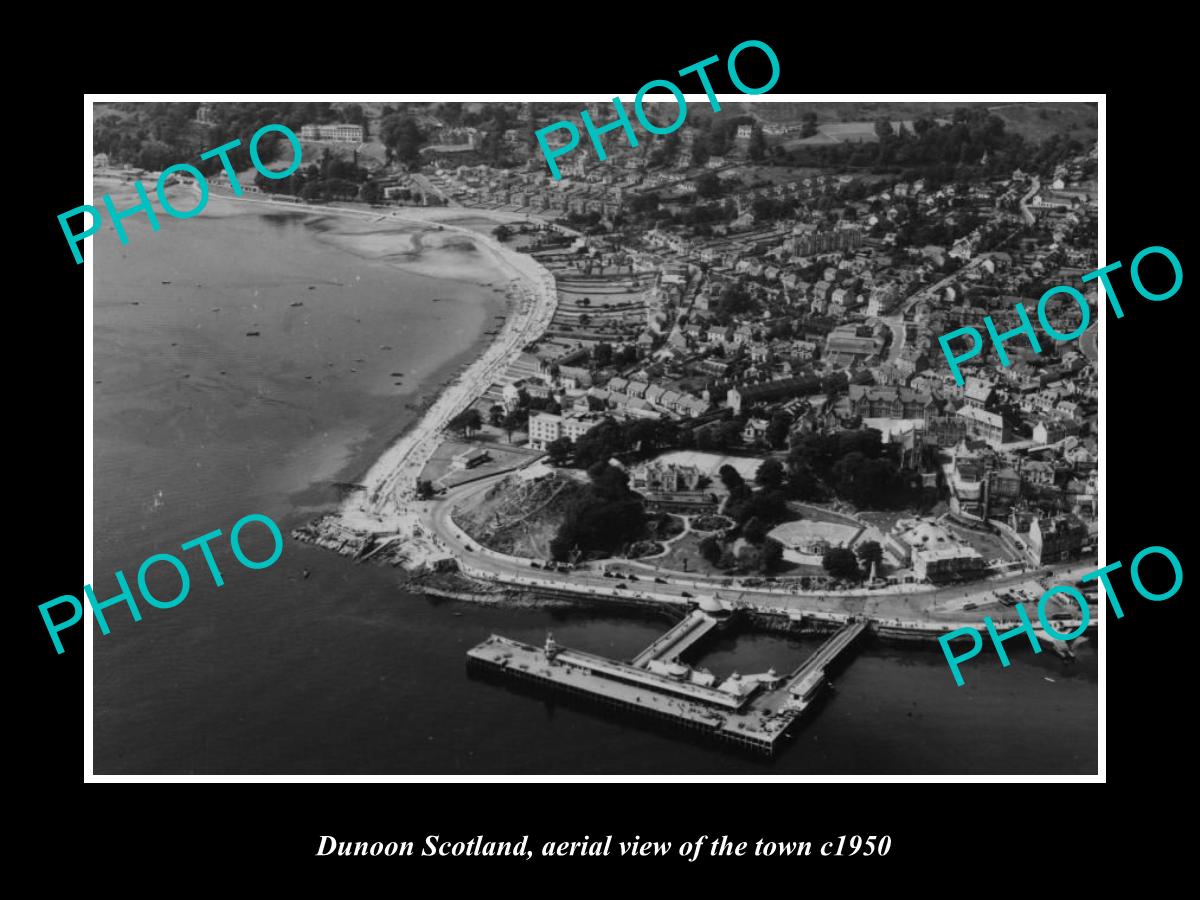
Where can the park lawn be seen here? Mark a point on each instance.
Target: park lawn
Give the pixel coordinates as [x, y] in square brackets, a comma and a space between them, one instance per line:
[687, 547]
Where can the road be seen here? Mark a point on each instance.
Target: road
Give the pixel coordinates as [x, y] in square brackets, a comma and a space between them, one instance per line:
[1028, 216]
[896, 321]
[941, 607]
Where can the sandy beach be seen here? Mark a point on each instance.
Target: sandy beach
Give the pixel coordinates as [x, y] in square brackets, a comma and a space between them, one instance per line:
[442, 243]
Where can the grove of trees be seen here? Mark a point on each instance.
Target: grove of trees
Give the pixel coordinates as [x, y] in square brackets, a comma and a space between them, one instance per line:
[603, 517]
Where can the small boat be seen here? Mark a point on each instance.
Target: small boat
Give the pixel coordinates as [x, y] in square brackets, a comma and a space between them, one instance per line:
[166, 282]
[135, 303]
[397, 374]
[298, 303]
[216, 309]
[304, 573]
[252, 333]
[312, 287]
[1049, 679]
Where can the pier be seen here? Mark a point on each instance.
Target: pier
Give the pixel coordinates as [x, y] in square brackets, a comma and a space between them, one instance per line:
[670, 646]
[750, 711]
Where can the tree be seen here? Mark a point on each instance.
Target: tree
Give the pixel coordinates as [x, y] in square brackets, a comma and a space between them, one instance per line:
[730, 477]
[883, 127]
[710, 549]
[514, 421]
[770, 473]
[840, 563]
[467, 421]
[870, 552]
[734, 301]
[708, 186]
[559, 451]
[803, 483]
[424, 489]
[772, 555]
[602, 517]
[778, 429]
[603, 441]
[755, 531]
[758, 143]
[496, 415]
[371, 192]
[810, 125]
[868, 482]
[602, 354]
[502, 233]
[402, 137]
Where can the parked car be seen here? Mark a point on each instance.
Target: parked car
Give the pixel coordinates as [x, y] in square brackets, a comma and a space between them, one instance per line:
[660, 581]
[686, 594]
[621, 586]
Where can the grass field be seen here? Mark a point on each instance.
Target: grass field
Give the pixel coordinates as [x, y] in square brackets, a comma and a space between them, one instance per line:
[687, 547]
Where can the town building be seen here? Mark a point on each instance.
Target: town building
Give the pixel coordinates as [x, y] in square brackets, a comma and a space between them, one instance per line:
[748, 394]
[988, 426]
[469, 459]
[545, 427]
[340, 132]
[944, 563]
[891, 402]
[1056, 538]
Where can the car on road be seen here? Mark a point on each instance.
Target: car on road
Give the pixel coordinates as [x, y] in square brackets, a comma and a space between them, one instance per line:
[535, 564]
[660, 581]
[633, 577]
[970, 606]
[608, 574]
[621, 586]
[686, 594]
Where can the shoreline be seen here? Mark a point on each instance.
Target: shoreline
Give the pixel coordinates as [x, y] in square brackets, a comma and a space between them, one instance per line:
[384, 511]
[466, 276]
[382, 475]
[532, 298]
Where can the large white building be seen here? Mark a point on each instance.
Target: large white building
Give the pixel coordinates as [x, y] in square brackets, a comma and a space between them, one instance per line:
[988, 426]
[340, 132]
[545, 427]
[945, 561]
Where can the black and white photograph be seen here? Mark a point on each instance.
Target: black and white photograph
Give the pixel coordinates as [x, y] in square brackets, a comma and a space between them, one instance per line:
[479, 438]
